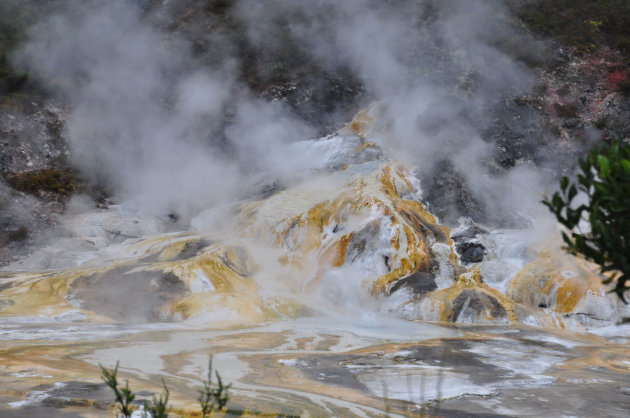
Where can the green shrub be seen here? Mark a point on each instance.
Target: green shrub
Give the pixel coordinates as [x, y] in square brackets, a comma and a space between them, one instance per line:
[605, 180]
[49, 180]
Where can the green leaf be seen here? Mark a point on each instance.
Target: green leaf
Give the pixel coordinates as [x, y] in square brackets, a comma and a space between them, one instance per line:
[626, 165]
[573, 218]
[584, 166]
[604, 166]
[564, 183]
[557, 202]
[583, 181]
[601, 188]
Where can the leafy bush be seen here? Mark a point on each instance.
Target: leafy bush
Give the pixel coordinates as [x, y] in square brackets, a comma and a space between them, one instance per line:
[605, 180]
[49, 180]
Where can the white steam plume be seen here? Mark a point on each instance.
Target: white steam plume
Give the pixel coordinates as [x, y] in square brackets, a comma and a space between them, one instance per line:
[145, 115]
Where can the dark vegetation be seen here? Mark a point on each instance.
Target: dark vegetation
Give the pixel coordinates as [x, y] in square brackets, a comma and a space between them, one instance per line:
[53, 183]
[16, 16]
[584, 24]
[605, 180]
[14, 20]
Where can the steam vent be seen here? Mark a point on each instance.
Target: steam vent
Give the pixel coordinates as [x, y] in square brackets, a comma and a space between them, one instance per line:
[332, 207]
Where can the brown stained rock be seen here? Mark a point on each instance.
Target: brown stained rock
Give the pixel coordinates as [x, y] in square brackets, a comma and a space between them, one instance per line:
[558, 282]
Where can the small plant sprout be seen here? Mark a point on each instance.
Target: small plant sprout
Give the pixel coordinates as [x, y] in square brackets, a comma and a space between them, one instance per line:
[124, 396]
[158, 409]
[210, 398]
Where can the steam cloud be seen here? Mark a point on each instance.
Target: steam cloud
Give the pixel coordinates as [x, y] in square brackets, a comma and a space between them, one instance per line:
[145, 115]
[151, 121]
[438, 69]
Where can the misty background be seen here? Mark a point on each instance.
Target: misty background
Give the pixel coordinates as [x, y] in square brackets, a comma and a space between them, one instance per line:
[176, 117]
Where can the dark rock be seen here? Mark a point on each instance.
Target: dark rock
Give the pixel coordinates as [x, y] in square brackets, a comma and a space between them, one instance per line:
[471, 252]
[448, 196]
[322, 100]
[330, 370]
[33, 139]
[572, 123]
[268, 189]
[364, 240]
[471, 232]
[418, 283]
[614, 115]
[279, 70]
[473, 302]
[467, 244]
[192, 249]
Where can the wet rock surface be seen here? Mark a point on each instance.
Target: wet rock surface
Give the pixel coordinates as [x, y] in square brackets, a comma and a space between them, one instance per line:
[417, 283]
[126, 295]
[474, 304]
[467, 244]
[471, 252]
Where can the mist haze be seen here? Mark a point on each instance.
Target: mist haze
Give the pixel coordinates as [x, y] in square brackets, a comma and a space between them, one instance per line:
[169, 134]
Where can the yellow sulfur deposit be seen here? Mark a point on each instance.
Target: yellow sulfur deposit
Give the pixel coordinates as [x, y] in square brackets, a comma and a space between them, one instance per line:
[556, 281]
[359, 219]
